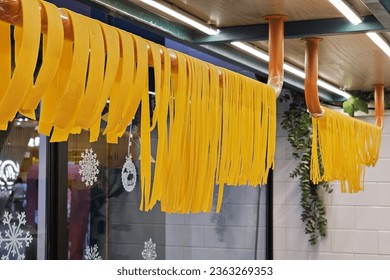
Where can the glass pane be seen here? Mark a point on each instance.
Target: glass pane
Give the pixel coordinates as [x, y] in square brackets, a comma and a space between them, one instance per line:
[105, 220]
[19, 180]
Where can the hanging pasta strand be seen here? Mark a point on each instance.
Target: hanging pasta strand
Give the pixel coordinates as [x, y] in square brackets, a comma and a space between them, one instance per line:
[26, 54]
[160, 115]
[194, 154]
[112, 51]
[93, 82]
[200, 186]
[52, 49]
[139, 85]
[70, 105]
[177, 137]
[215, 127]
[75, 87]
[142, 64]
[123, 87]
[97, 60]
[248, 133]
[56, 89]
[346, 146]
[222, 169]
[5, 58]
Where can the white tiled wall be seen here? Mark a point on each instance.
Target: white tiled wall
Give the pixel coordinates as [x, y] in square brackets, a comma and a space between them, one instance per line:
[358, 224]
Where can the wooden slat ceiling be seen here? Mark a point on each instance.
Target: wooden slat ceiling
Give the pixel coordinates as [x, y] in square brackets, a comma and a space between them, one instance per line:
[352, 62]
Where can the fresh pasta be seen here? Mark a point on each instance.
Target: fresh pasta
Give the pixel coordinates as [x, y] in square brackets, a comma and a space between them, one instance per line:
[215, 127]
[346, 146]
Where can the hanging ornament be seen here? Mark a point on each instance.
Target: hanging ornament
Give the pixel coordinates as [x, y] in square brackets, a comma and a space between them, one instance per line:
[129, 173]
[89, 167]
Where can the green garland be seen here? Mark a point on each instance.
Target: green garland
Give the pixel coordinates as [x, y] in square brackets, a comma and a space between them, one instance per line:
[297, 122]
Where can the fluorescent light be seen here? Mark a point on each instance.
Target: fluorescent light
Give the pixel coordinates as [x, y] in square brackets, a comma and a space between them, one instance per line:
[265, 57]
[294, 70]
[333, 89]
[249, 49]
[288, 67]
[346, 11]
[182, 17]
[378, 40]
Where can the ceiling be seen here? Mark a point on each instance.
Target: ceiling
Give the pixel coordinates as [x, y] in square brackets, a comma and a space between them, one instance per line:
[348, 59]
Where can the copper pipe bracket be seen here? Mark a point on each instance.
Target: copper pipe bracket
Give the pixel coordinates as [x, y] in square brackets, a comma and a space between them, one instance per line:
[379, 104]
[311, 71]
[276, 51]
[317, 115]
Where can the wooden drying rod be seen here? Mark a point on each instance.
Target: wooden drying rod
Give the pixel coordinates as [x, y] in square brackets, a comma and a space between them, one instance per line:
[311, 88]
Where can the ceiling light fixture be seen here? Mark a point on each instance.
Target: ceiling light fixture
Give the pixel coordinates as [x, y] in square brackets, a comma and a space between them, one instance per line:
[182, 16]
[380, 42]
[346, 11]
[249, 49]
[288, 68]
[332, 88]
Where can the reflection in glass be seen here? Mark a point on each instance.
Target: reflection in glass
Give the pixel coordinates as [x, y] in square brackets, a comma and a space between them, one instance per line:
[105, 221]
[19, 158]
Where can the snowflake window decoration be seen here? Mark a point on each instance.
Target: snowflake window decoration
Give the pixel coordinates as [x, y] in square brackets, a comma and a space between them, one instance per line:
[92, 253]
[149, 253]
[15, 239]
[89, 167]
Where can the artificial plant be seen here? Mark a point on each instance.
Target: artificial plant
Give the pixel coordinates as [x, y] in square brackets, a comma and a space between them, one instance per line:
[354, 104]
[297, 122]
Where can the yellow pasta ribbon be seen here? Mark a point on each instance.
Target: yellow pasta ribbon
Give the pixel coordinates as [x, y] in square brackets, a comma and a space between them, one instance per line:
[162, 74]
[5, 58]
[145, 133]
[26, 59]
[112, 47]
[141, 92]
[69, 105]
[140, 85]
[176, 169]
[52, 49]
[55, 91]
[122, 88]
[346, 146]
[214, 133]
[97, 60]
[214, 126]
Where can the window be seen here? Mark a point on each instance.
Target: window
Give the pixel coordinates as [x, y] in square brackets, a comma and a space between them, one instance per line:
[22, 213]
